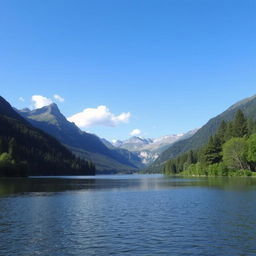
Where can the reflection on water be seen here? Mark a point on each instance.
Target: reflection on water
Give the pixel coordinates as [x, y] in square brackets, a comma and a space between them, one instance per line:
[12, 186]
[127, 215]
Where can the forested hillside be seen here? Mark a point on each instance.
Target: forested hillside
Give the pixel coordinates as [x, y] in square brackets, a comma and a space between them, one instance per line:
[230, 152]
[25, 150]
[248, 106]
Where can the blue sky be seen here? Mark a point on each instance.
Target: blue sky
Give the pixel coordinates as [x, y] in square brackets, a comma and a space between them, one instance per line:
[171, 65]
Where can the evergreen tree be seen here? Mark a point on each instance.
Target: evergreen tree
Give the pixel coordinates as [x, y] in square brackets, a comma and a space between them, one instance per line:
[251, 126]
[240, 128]
[190, 157]
[212, 151]
[222, 132]
[230, 132]
[173, 168]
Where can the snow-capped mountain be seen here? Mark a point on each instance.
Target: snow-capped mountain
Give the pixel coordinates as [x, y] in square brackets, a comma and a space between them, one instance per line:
[149, 149]
[132, 144]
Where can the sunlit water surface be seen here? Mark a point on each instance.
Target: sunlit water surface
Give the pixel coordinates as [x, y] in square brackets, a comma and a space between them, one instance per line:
[127, 215]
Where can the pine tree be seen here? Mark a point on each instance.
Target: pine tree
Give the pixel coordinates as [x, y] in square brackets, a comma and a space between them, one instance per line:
[222, 132]
[190, 157]
[229, 133]
[251, 125]
[173, 168]
[212, 151]
[240, 128]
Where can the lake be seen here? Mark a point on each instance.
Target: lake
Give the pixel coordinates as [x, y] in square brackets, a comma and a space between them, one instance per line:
[127, 215]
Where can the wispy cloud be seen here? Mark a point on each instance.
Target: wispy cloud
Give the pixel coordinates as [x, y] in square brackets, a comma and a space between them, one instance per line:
[135, 132]
[21, 99]
[58, 98]
[100, 116]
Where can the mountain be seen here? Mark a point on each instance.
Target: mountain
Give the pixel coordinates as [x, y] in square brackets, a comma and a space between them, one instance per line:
[116, 143]
[248, 106]
[133, 144]
[148, 149]
[160, 144]
[107, 143]
[26, 150]
[133, 157]
[85, 145]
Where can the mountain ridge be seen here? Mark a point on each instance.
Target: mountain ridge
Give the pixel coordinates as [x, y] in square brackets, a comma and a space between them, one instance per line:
[148, 149]
[85, 145]
[247, 105]
[27, 150]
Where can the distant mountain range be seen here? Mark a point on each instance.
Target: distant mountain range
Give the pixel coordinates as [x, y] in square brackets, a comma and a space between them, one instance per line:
[85, 145]
[120, 156]
[248, 106]
[41, 127]
[149, 149]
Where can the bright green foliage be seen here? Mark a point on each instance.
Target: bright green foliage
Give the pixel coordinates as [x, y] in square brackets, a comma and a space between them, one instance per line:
[5, 158]
[9, 167]
[251, 126]
[234, 173]
[251, 151]
[234, 154]
[196, 170]
[218, 169]
[6, 161]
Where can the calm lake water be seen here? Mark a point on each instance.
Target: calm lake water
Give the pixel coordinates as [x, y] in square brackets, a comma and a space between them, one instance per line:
[127, 215]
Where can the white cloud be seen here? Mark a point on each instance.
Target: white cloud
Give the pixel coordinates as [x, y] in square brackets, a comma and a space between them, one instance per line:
[41, 101]
[135, 132]
[21, 99]
[58, 98]
[100, 116]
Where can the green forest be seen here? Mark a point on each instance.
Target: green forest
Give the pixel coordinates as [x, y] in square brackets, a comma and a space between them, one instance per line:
[230, 152]
[25, 150]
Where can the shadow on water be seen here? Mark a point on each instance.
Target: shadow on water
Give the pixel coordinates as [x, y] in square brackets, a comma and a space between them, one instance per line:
[13, 186]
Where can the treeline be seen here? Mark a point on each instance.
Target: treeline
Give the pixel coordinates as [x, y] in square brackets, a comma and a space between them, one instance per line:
[25, 150]
[230, 152]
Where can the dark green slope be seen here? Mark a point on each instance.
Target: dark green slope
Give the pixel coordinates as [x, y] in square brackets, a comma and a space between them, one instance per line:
[7, 111]
[248, 106]
[25, 150]
[85, 145]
